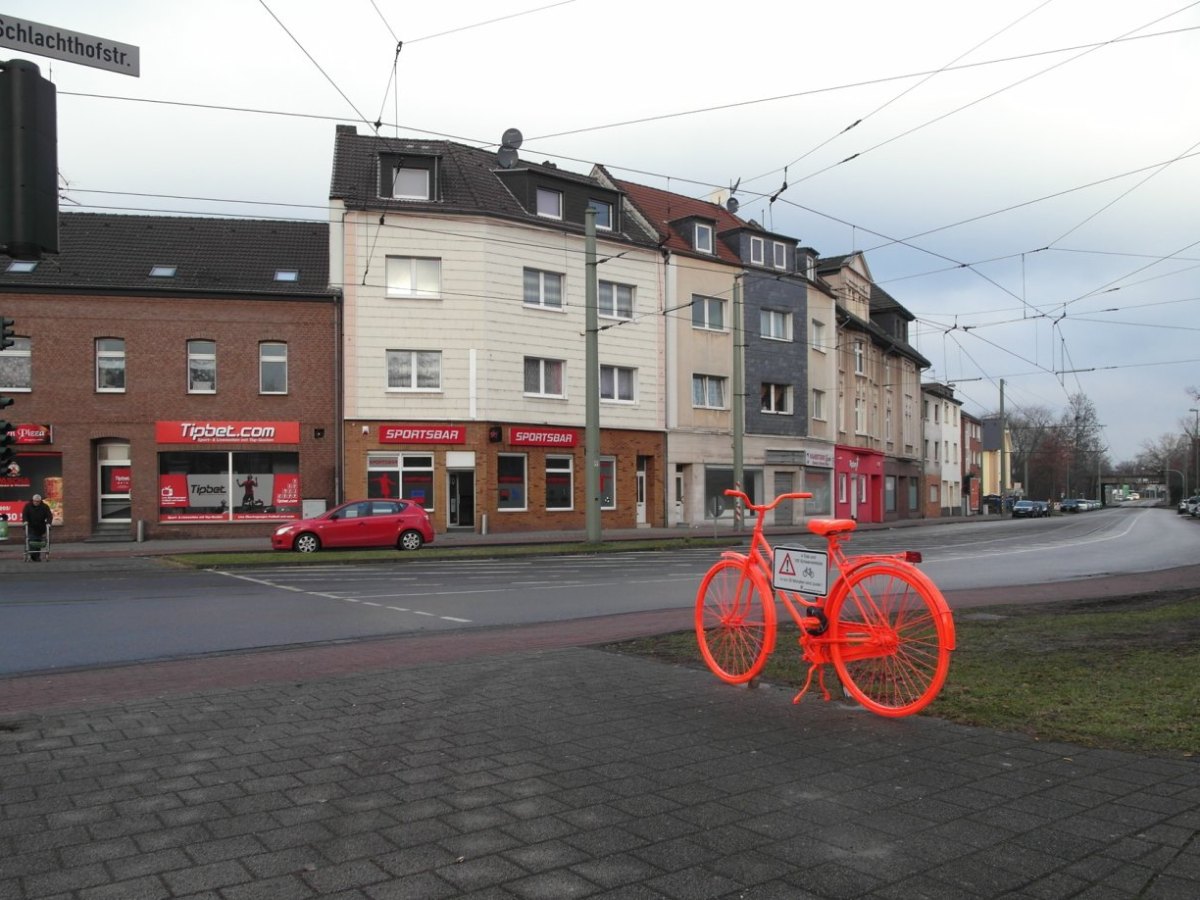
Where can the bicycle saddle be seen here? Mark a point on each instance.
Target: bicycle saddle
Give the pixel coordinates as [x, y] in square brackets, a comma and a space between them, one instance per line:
[826, 527]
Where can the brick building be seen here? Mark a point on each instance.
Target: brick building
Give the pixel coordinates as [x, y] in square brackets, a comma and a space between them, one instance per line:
[174, 376]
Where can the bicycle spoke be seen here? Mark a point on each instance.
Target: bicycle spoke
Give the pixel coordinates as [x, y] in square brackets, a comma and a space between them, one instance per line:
[735, 627]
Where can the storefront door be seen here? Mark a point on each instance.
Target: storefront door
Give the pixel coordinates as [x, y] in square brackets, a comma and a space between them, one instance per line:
[115, 483]
[641, 490]
[462, 499]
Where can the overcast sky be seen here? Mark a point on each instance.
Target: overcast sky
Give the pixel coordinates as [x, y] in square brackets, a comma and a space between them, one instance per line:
[1024, 176]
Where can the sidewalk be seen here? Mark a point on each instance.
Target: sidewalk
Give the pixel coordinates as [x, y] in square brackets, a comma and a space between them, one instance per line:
[528, 763]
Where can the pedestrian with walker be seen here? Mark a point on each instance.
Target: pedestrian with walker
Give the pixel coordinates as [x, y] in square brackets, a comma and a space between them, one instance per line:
[37, 517]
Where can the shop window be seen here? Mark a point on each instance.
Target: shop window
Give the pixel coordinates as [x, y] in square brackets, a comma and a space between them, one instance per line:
[16, 365]
[608, 482]
[202, 367]
[819, 483]
[405, 475]
[110, 365]
[510, 481]
[889, 493]
[560, 483]
[221, 486]
[272, 368]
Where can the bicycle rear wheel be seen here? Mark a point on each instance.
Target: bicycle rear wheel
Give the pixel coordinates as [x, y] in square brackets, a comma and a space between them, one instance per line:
[735, 620]
[891, 634]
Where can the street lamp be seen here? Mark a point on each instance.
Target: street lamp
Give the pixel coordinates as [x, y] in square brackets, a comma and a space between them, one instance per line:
[1196, 447]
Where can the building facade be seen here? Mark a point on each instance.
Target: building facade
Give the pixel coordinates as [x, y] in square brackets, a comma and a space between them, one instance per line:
[173, 377]
[943, 453]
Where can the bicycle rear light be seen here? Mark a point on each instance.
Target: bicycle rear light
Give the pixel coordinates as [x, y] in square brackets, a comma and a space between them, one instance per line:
[912, 556]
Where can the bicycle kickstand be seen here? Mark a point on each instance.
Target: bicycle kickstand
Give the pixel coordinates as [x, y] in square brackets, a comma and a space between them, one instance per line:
[819, 670]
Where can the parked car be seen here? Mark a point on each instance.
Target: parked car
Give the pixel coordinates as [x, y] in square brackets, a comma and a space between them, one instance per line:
[402, 524]
[1025, 509]
[1069, 505]
[1043, 507]
[1193, 506]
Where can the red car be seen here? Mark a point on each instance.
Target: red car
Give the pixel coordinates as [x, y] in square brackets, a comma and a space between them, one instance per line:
[360, 523]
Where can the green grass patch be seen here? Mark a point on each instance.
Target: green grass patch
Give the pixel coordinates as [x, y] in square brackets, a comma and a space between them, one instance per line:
[1119, 674]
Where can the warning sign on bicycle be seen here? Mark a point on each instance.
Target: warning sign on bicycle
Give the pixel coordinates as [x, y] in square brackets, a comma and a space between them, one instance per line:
[801, 571]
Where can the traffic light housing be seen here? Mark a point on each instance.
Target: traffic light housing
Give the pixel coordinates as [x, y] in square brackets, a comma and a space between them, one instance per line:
[6, 337]
[7, 438]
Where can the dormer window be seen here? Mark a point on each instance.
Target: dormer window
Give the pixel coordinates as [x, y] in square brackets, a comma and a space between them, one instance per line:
[404, 177]
[780, 255]
[703, 238]
[410, 184]
[162, 271]
[549, 203]
[757, 250]
[604, 214]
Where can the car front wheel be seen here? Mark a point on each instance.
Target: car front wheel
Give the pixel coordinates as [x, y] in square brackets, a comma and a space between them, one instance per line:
[307, 543]
[411, 540]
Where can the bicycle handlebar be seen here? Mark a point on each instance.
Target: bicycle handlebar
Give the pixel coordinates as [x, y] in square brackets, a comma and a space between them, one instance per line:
[740, 495]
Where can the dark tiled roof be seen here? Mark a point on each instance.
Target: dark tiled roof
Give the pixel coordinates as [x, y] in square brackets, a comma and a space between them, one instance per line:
[882, 301]
[663, 208]
[103, 251]
[470, 181]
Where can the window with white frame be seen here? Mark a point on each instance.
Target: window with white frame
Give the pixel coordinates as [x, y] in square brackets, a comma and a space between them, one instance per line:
[16, 365]
[818, 335]
[703, 240]
[202, 367]
[614, 301]
[272, 368]
[544, 289]
[818, 404]
[560, 482]
[618, 383]
[776, 398]
[549, 203]
[860, 416]
[860, 358]
[757, 250]
[410, 183]
[414, 370]
[414, 276]
[405, 475]
[604, 214]
[708, 312]
[708, 391]
[110, 365]
[510, 481]
[544, 377]
[775, 324]
[778, 255]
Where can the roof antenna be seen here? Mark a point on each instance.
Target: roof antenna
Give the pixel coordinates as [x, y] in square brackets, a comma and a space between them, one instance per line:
[733, 203]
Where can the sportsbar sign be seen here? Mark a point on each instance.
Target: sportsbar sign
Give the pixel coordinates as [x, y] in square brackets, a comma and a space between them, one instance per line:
[522, 436]
[422, 434]
[227, 432]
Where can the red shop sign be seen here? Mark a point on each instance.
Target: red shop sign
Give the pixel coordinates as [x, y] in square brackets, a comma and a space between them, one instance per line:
[198, 432]
[532, 436]
[405, 433]
[30, 433]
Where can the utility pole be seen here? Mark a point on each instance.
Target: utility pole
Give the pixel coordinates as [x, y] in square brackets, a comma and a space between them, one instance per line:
[739, 399]
[1003, 475]
[591, 381]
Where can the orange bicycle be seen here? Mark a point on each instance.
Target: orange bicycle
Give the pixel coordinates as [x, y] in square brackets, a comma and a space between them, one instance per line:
[883, 624]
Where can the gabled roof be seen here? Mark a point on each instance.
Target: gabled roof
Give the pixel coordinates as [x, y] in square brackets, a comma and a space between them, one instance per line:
[105, 251]
[470, 181]
[883, 302]
[663, 209]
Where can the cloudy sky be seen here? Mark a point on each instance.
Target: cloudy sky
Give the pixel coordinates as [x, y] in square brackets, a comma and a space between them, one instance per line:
[1023, 176]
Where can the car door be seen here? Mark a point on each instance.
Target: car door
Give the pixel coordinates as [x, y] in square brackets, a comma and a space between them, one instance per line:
[385, 522]
[348, 526]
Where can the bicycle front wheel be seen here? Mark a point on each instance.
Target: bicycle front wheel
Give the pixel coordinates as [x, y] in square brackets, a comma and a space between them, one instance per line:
[891, 634]
[735, 620]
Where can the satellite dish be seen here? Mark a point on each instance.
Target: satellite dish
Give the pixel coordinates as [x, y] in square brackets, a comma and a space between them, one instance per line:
[507, 157]
[511, 139]
[732, 204]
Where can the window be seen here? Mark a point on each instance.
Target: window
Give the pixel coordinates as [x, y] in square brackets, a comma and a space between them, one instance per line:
[604, 214]
[608, 482]
[544, 377]
[543, 289]
[779, 255]
[775, 325]
[617, 383]
[708, 392]
[405, 475]
[708, 312]
[757, 248]
[272, 368]
[703, 241]
[219, 486]
[615, 300]
[776, 398]
[818, 404]
[889, 493]
[202, 367]
[818, 335]
[860, 358]
[410, 184]
[22, 266]
[414, 370]
[860, 416]
[414, 276]
[510, 481]
[287, 274]
[559, 482]
[16, 365]
[110, 364]
[549, 203]
[163, 271]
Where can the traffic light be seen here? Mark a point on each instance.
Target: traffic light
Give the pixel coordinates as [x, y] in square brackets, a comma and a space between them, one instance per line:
[7, 438]
[6, 336]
